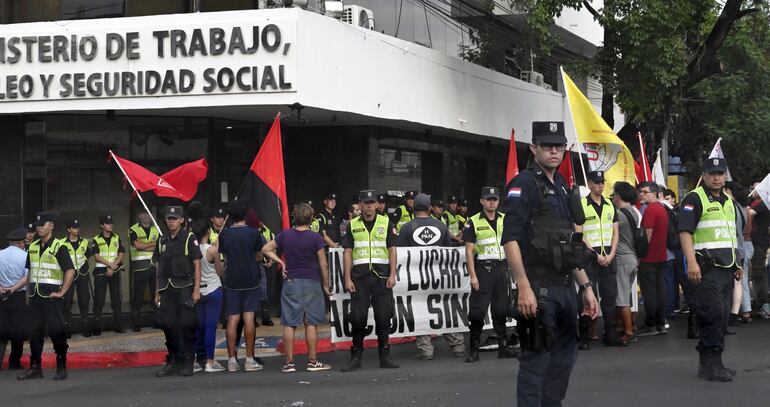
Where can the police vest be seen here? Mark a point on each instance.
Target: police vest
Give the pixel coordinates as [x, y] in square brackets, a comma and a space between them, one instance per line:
[716, 230]
[598, 230]
[406, 216]
[370, 248]
[107, 252]
[443, 218]
[461, 219]
[213, 235]
[173, 261]
[488, 245]
[43, 266]
[141, 260]
[78, 255]
[267, 234]
[453, 223]
[315, 225]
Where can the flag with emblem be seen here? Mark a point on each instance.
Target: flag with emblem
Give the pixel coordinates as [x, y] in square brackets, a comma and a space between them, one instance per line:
[264, 187]
[181, 182]
[604, 149]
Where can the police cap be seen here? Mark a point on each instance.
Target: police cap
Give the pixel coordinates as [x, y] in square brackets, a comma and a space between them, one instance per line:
[595, 176]
[451, 199]
[43, 217]
[548, 133]
[367, 195]
[218, 212]
[381, 198]
[490, 192]
[73, 223]
[330, 196]
[105, 220]
[410, 194]
[174, 212]
[462, 202]
[31, 228]
[16, 235]
[715, 165]
[437, 203]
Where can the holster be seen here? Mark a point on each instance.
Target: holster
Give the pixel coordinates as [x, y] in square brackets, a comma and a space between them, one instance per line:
[533, 332]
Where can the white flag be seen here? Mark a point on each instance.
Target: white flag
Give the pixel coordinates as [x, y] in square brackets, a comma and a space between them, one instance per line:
[716, 152]
[657, 171]
[763, 190]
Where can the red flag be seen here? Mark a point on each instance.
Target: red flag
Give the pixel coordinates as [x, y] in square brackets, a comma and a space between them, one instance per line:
[181, 182]
[264, 188]
[513, 163]
[643, 172]
[565, 169]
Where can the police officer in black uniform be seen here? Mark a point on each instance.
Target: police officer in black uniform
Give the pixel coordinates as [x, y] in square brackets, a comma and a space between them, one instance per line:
[543, 256]
[108, 252]
[80, 252]
[177, 257]
[404, 213]
[328, 221]
[382, 204]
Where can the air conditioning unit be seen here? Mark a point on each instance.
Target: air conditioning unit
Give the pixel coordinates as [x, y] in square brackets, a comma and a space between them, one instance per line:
[332, 9]
[535, 78]
[359, 16]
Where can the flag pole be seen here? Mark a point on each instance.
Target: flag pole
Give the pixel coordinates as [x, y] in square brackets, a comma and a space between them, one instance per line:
[138, 194]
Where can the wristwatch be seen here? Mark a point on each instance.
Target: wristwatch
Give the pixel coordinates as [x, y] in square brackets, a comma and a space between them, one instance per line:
[588, 284]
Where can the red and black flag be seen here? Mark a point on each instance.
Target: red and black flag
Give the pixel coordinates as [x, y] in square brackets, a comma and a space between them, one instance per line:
[264, 188]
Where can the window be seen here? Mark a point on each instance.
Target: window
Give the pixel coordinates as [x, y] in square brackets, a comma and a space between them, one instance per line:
[84, 9]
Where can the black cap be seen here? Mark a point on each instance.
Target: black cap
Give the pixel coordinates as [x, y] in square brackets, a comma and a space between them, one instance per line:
[451, 199]
[43, 217]
[421, 202]
[105, 220]
[330, 195]
[218, 212]
[174, 212]
[437, 203]
[548, 133]
[490, 192]
[715, 165]
[462, 202]
[367, 195]
[595, 176]
[31, 228]
[381, 198]
[410, 194]
[73, 223]
[16, 235]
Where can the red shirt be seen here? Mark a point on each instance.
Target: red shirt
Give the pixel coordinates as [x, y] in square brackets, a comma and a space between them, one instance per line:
[656, 218]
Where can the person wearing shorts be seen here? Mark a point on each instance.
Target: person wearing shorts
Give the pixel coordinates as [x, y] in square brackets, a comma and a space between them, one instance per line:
[241, 246]
[306, 282]
[625, 264]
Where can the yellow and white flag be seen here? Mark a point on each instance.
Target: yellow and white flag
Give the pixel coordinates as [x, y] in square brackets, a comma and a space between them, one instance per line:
[604, 149]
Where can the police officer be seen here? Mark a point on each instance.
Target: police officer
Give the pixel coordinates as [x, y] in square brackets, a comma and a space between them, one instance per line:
[108, 254]
[370, 274]
[328, 222]
[453, 217]
[79, 251]
[600, 233]
[217, 221]
[382, 204]
[13, 294]
[31, 235]
[709, 242]
[488, 273]
[50, 276]
[142, 236]
[462, 211]
[437, 211]
[404, 213]
[543, 256]
[177, 257]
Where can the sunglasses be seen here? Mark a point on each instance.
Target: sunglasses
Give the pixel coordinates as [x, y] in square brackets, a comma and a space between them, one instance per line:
[551, 147]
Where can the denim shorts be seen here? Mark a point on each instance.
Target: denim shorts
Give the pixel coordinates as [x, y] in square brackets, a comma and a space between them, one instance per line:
[240, 301]
[302, 302]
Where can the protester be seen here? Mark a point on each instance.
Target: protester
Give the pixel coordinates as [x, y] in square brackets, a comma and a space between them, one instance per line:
[13, 293]
[626, 263]
[241, 245]
[306, 281]
[653, 266]
[210, 305]
[353, 211]
[760, 239]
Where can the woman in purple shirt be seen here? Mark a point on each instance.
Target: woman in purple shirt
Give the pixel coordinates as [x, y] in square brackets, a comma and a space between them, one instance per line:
[306, 281]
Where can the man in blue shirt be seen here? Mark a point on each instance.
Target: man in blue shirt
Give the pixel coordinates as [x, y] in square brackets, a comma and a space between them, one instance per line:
[13, 297]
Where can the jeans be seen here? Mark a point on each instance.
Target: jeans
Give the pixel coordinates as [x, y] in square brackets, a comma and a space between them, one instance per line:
[748, 252]
[670, 284]
[208, 310]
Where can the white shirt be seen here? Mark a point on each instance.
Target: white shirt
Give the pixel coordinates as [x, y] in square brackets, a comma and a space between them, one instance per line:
[209, 276]
[13, 266]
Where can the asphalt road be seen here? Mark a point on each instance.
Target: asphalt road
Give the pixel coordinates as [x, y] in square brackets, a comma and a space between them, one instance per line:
[657, 371]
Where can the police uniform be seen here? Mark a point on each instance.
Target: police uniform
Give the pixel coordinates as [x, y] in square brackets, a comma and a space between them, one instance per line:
[368, 243]
[382, 202]
[13, 307]
[598, 232]
[50, 271]
[443, 218]
[404, 213]
[461, 215]
[177, 258]
[79, 251]
[328, 221]
[453, 218]
[710, 219]
[491, 271]
[213, 232]
[538, 218]
[142, 269]
[109, 248]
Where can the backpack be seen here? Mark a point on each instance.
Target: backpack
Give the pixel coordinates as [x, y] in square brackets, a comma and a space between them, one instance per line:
[641, 245]
[672, 235]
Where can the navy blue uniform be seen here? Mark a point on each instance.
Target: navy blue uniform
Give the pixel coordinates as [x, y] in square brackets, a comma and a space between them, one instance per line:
[543, 374]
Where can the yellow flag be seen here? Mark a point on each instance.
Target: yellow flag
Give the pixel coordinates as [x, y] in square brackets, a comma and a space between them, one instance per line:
[604, 149]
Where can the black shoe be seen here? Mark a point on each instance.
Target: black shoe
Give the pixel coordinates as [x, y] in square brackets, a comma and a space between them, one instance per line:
[170, 368]
[385, 361]
[473, 349]
[646, 331]
[188, 366]
[61, 368]
[136, 329]
[355, 360]
[615, 341]
[505, 351]
[34, 372]
[710, 367]
[268, 322]
[734, 320]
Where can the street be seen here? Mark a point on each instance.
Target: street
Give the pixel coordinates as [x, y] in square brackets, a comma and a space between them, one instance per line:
[658, 370]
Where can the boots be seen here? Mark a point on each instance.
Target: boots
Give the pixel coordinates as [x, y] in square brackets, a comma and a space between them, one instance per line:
[692, 326]
[711, 367]
[584, 327]
[118, 324]
[86, 327]
[355, 359]
[136, 322]
[188, 365]
[504, 349]
[14, 360]
[97, 326]
[169, 368]
[385, 361]
[266, 320]
[34, 371]
[473, 348]
[61, 367]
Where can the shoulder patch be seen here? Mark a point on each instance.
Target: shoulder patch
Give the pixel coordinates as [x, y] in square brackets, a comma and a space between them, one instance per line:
[514, 192]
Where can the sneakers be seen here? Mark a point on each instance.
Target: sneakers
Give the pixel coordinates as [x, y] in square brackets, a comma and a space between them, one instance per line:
[646, 331]
[198, 367]
[214, 367]
[489, 344]
[317, 366]
[232, 365]
[764, 312]
[252, 365]
[289, 367]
